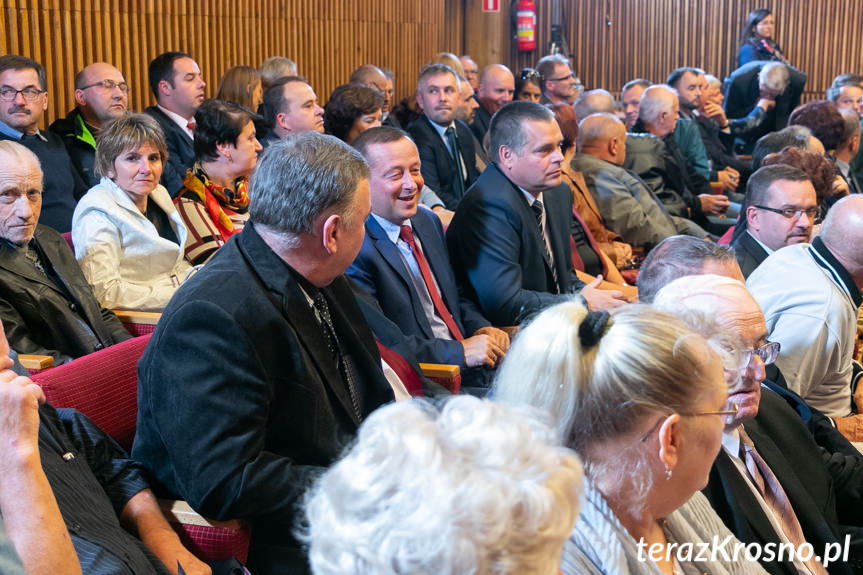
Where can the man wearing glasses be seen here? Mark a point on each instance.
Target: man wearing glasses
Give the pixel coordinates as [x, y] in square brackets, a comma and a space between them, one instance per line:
[772, 483]
[779, 210]
[561, 84]
[23, 101]
[101, 94]
[810, 294]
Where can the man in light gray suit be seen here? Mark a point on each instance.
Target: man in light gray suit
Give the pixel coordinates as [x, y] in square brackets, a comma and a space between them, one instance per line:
[627, 203]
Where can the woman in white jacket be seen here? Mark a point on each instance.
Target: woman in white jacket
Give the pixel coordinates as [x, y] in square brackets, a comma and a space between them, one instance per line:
[128, 237]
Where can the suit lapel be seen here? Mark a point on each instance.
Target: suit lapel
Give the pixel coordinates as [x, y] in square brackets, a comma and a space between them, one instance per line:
[299, 314]
[390, 253]
[739, 497]
[17, 264]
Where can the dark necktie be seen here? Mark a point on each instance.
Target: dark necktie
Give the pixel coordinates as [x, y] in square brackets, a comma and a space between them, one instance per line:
[536, 206]
[406, 234]
[771, 490]
[456, 156]
[346, 365]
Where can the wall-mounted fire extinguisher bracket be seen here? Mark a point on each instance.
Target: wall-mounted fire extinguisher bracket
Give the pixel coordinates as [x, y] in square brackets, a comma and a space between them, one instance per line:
[525, 25]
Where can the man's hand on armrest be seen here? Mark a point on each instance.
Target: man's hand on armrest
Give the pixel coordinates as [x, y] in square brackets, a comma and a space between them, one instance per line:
[600, 300]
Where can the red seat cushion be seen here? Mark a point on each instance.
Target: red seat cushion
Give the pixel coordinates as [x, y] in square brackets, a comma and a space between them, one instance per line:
[103, 386]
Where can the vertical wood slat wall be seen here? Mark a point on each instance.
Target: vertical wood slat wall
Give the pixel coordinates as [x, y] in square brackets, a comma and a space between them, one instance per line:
[613, 41]
[327, 38]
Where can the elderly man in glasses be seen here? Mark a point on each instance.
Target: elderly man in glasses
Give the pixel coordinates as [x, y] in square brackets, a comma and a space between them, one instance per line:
[561, 84]
[23, 101]
[780, 209]
[101, 94]
[810, 294]
[772, 483]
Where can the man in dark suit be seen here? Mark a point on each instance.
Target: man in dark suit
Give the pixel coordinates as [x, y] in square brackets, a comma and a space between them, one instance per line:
[496, 89]
[262, 367]
[45, 301]
[404, 264]
[445, 144]
[290, 107]
[754, 83]
[779, 210]
[509, 241]
[823, 490]
[178, 87]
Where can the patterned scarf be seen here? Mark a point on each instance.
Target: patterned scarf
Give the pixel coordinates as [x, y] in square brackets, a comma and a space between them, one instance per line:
[216, 197]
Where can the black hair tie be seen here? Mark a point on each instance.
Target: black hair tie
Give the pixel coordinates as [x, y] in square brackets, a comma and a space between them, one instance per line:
[592, 328]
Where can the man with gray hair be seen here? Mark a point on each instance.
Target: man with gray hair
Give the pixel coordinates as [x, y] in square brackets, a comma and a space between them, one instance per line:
[560, 84]
[751, 83]
[445, 143]
[629, 206]
[654, 155]
[509, 241]
[593, 102]
[810, 294]
[262, 367]
[771, 483]
[780, 210]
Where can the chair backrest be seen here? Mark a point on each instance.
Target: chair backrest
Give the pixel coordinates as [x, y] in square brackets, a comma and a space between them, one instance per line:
[102, 385]
[403, 369]
[68, 237]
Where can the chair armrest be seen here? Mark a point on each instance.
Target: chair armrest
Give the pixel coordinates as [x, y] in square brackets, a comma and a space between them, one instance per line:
[447, 375]
[179, 511]
[744, 157]
[35, 363]
[443, 370]
[716, 187]
[138, 317]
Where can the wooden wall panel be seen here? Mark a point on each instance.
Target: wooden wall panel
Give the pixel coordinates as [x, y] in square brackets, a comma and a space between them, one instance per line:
[327, 38]
[613, 41]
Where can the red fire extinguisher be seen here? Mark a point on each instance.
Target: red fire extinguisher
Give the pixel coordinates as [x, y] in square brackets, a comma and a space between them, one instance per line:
[525, 25]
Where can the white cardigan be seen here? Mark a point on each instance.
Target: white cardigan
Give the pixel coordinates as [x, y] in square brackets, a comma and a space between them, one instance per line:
[122, 255]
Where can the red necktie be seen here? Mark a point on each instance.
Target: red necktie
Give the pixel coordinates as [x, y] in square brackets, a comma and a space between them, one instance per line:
[407, 235]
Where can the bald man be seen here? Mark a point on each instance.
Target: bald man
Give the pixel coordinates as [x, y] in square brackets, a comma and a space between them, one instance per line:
[593, 102]
[101, 94]
[628, 204]
[496, 89]
[654, 155]
[810, 294]
[374, 77]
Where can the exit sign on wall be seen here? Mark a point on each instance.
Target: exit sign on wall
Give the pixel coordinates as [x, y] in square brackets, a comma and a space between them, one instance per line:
[491, 5]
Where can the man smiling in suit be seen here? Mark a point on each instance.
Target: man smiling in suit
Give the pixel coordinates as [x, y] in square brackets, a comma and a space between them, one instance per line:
[403, 263]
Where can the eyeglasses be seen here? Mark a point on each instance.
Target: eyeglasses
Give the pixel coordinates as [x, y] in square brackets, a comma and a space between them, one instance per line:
[108, 85]
[569, 76]
[795, 213]
[767, 352]
[722, 412]
[7, 93]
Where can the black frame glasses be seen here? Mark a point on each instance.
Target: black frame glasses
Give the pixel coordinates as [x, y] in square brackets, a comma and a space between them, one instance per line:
[790, 213]
[30, 93]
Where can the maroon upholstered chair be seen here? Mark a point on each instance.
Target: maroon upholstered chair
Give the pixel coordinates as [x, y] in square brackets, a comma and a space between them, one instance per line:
[104, 387]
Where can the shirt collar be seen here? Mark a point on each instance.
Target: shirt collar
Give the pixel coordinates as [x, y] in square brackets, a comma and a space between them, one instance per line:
[390, 229]
[843, 166]
[530, 197]
[731, 442]
[15, 134]
[831, 265]
[441, 130]
[760, 243]
[176, 118]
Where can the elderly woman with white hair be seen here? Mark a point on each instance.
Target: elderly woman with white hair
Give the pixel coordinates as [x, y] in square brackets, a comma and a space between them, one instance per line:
[477, 488]
[640, 397]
